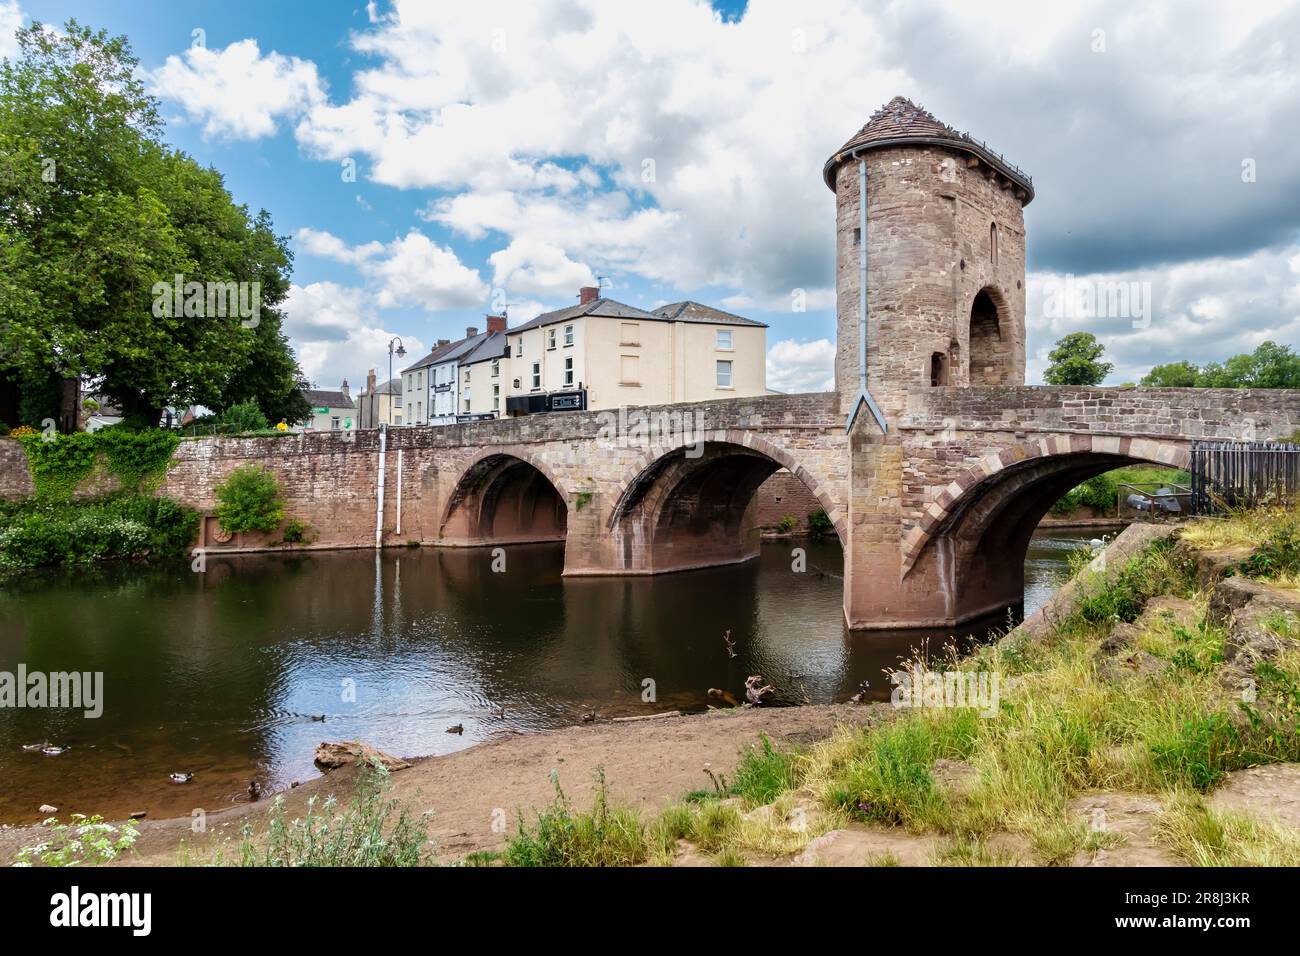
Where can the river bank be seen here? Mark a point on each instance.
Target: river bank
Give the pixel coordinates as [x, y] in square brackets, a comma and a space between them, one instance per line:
[1122, 734]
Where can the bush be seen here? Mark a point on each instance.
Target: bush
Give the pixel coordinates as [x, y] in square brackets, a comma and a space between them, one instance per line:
[372, 831]
[82, 840]
[819, 523]
[243, 417]
[42, 533]
[787, 524]
[297, 532]
[249, 500]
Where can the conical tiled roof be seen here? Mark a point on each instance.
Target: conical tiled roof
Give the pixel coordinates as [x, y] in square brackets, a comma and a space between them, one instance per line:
[900, 121]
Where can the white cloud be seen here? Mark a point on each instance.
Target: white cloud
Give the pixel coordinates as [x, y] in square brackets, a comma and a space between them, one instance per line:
[11, 21]
[413, 270]
[532, 267]
[1202, 311]
[336, 336]
[237, 92]
[801, 366]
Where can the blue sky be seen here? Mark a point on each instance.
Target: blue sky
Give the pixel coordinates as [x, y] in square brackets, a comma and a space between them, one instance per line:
[512, 151]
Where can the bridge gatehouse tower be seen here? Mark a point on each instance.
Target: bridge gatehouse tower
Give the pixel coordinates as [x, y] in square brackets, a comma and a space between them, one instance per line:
[943, 255]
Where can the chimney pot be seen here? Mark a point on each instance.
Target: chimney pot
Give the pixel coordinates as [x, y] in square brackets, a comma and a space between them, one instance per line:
[588, 293]
[444, 341]
[470, 332]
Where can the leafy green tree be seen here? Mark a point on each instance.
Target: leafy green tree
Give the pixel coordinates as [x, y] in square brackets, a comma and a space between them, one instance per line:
[94, 211]
[1174, 375]
[1269, 366]
[1076, 360]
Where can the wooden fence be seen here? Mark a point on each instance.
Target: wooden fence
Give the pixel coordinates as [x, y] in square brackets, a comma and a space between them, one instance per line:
[1243, 474]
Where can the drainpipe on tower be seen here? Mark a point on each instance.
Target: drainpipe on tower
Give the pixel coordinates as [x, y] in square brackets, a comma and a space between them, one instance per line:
[864, 396]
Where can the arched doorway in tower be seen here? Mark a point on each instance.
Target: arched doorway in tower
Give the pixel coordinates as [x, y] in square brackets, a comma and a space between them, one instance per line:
[990, 345]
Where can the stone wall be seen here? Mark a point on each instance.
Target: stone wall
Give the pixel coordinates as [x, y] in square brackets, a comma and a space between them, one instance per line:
[928, 257]
[781, 495]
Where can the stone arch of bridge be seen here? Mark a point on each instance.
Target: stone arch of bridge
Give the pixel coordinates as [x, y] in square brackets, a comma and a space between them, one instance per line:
[504, 497]
[692, 506]
[973, 538]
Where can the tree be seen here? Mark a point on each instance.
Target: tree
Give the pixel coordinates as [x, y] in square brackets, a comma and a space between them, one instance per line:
[95, 211]
[1174, 375]
[1076, 360]
[1269, 366]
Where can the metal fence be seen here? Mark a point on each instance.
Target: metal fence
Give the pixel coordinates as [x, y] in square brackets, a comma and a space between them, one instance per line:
[1243, 474]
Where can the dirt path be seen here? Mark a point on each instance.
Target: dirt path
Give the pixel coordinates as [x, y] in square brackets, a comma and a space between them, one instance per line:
[647, 764]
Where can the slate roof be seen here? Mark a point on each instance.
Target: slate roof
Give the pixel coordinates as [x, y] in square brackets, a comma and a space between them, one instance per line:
[689, 311]
[493, 345]
[608, 308]
[901, 121]
[326, 398]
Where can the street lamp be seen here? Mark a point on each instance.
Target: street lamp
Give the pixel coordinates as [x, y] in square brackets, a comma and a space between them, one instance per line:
[400, 352]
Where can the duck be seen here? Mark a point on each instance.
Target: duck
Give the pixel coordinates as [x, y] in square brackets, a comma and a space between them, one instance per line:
[456, 729]
[52, 751]
[254, 790]
[861, 695]
[589, 716]
[499, 712]
[181, 777]
[40, 746]
[318, 719]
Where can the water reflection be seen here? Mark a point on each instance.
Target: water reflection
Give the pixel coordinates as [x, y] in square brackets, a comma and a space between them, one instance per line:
[226, 674]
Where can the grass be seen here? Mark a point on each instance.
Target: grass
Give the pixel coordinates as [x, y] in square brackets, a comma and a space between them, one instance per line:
[1203, 836]
[1061, 729]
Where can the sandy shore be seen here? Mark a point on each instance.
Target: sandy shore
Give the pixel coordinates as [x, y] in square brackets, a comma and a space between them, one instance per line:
[468, 794]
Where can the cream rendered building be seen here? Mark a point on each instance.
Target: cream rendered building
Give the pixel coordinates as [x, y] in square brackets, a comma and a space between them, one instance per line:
[622, 355]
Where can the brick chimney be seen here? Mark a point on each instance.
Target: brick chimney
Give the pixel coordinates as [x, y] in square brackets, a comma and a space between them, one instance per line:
[470, 331]
[442, 342]
[370, 382]
[496, 323]
[344, 390]
[588, 293]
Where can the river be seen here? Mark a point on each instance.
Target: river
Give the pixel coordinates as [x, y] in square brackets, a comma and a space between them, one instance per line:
[227, 674]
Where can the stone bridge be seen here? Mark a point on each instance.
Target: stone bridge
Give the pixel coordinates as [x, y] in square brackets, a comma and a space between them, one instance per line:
[935, 516]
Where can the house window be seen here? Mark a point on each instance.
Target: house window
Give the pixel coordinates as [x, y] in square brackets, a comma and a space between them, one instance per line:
[568, 336]
[496, 368]
[397, 420]
[630, 370]
[724, 374]
[724, 340]
[550, 340]
[419, 379]
[335, 423]
[466, 404]
[467, 373]
[630, 333]
[496, 398]
[519, 347]
[568, 371]
[537, 376]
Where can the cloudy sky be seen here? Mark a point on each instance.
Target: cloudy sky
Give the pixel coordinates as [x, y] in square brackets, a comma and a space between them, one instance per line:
[435, 160]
